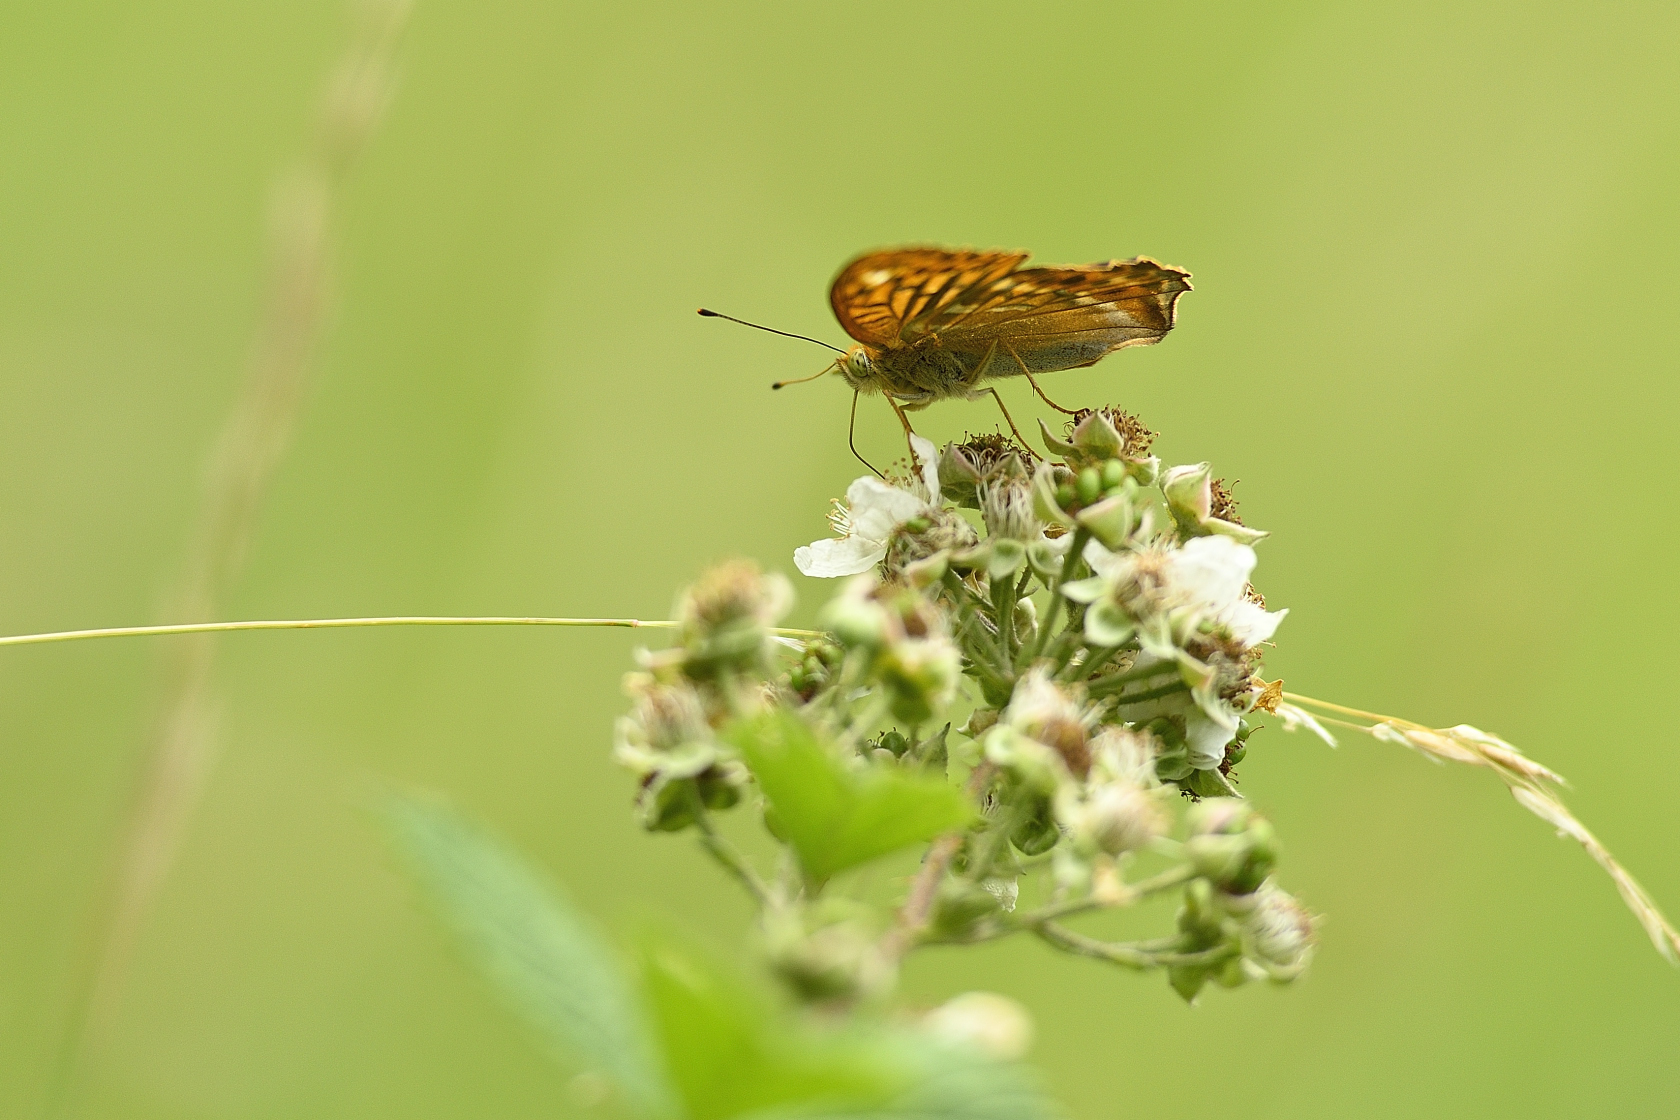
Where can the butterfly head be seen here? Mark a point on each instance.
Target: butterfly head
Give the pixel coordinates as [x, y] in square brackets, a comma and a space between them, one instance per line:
[858, 368]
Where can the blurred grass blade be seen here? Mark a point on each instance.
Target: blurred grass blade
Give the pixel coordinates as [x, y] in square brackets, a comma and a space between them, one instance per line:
[836, 817]
[534, 946]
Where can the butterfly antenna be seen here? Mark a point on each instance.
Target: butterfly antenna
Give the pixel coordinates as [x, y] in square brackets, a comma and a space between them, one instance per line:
[802, 380]
[850, 430]
[785, 334]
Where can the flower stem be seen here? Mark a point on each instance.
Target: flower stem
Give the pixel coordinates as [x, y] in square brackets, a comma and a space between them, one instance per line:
[1101, 688]
[1143, 888]
[728, 856]
[914, 915]
[1128, 954]
[1069, 565]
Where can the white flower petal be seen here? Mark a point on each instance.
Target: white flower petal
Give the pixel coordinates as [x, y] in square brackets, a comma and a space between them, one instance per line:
[829, 559]
[1212, 571]
[1102, 561]
[929, 456]
[877, 509]
[1251, 623]
[1206, 739]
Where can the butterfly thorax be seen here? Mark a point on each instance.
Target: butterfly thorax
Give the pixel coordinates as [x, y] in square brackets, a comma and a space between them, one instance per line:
[920, 372]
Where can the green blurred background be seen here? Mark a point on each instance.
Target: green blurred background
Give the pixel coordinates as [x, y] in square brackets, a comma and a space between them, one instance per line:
[1433, 334]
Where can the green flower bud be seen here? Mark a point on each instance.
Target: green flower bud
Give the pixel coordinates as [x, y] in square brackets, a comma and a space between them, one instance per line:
[961, 909]
[921, 677]
[1110, 521]
[1231, 845]
[724, 619]
[1038, 832]
[894, 743]
[1113, 473]
[1026, 621]
[1089, 486]
[824, 959]
[667, 804]
[1191, 498]
[1053, 494]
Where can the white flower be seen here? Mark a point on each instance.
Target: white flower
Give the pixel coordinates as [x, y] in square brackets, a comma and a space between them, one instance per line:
[866, 520]
[1212, 573]
[1207, 575]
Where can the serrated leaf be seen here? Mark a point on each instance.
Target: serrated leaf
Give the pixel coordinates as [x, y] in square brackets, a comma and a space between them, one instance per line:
[534, 946]
[836, 817]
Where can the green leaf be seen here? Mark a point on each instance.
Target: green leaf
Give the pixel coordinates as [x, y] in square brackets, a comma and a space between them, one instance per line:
[534, 946]
[729, 1054]
[834, 816]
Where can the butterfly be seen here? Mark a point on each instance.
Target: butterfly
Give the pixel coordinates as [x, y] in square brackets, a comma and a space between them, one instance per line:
[930, 324]
[937, 323]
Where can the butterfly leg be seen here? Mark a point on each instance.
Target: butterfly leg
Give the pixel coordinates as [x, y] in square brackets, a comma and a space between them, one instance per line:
[1047, 400]
[908, 430]
[1031, 381]
[1018, 436]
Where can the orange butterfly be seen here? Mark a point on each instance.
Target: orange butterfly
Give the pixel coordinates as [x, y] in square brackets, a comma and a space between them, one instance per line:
[938, 323]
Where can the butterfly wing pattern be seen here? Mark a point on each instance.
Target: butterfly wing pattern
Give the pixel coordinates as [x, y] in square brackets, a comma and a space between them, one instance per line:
[936, 323]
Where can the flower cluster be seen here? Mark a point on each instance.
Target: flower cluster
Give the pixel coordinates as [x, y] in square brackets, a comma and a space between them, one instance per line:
[1074, 643]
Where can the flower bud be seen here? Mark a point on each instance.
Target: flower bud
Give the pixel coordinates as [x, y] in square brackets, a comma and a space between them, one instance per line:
[961, 908]
[1038, 832]
[855, 616]
[1202, 506]
[1278, 934]
[995, 1025]
[725, 615]
[1121, 817]
[921, 676]
[1231, 845]
[1041, 710]
[1026, 622]
[822, 959]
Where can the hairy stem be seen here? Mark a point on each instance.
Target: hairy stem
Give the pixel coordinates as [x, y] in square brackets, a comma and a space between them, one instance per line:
[913, 916]
[1128, 954]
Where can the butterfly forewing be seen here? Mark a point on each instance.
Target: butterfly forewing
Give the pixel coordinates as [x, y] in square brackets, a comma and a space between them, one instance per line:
[997, 320]
[877, 297]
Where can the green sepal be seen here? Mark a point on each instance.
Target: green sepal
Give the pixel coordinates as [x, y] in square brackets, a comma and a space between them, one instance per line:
[1045, 561]
[1007, 557]
[1084, 590]
[1110, 521]
[1107, 625]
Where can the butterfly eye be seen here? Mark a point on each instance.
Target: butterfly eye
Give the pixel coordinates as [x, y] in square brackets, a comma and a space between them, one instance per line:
[857, 362]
